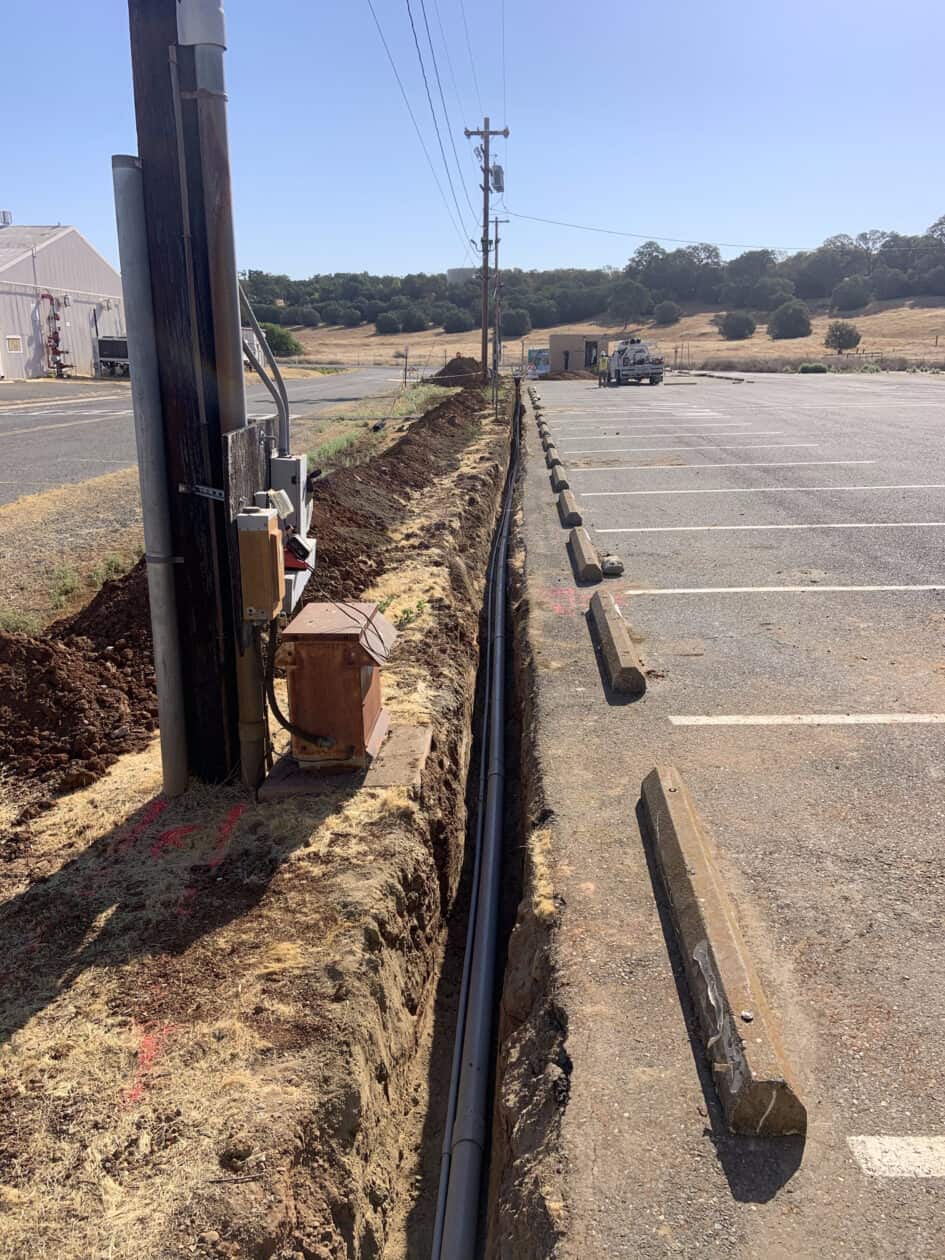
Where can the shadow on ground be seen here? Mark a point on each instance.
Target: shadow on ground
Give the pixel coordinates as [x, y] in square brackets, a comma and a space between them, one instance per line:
[166, 876]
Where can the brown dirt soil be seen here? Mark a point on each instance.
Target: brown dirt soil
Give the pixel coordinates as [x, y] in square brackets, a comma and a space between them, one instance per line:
[75, 698]
[527, 1212]
[459, 371]
[82, 693]
[210, 1008]
[355, 506]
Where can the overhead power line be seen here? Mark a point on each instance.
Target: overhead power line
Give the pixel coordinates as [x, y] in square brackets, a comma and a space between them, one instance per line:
[436, 124]
[472, 61]
[449, 59]
[416, 126]
[642, 236]
[446, 113]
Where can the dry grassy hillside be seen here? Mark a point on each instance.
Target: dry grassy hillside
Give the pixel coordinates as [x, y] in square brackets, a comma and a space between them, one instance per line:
[915, 331]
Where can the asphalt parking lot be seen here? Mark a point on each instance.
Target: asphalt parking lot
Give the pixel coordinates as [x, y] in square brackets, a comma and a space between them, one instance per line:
[61, 432]
[783, 541]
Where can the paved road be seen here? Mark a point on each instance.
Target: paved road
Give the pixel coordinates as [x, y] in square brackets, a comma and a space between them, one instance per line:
[784, 542]
[55, 432]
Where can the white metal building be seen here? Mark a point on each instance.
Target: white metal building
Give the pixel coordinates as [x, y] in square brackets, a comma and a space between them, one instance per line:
[54, 284]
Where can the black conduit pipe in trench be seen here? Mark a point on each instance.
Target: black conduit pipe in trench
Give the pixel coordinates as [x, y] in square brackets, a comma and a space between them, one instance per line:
[467, 1129]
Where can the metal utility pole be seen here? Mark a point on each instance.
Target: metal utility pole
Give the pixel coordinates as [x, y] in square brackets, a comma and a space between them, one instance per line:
[213, 456]
[152, 469]
[486, 134]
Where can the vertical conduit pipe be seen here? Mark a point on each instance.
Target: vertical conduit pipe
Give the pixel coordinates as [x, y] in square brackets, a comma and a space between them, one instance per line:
[470, 1128]
[152, 467]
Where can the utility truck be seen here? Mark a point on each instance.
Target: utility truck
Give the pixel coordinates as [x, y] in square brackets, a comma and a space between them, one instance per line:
[632, 360]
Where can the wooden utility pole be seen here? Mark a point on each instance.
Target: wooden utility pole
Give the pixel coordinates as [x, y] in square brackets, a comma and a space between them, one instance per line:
[212, 456]
[486, 134]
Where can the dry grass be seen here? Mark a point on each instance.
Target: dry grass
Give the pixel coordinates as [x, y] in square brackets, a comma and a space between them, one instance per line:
[908, 330]
[58, 546]
[192, 987]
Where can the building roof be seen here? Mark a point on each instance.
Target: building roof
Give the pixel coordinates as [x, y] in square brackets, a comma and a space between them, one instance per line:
[17, 240]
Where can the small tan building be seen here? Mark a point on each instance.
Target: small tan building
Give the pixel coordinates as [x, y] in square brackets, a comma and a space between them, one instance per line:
[575, 352]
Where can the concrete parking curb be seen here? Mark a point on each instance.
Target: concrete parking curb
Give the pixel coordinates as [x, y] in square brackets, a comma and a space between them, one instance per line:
[568, 509]
[583, 556]
[624, 671]
[752, 1080]
[551, 455]
[559, 479]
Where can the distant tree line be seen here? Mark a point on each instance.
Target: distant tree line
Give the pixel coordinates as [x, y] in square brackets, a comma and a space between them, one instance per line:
[846, 272]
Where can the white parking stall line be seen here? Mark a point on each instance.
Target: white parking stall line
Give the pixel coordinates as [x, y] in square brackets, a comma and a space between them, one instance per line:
[691, 529]
[66, 424]
[597, 494]
[887, 1156]
[674, 433]
[778, 590]
[792, 463]
[44, 404]
[620, 424]
[809, 719]
[725, 446]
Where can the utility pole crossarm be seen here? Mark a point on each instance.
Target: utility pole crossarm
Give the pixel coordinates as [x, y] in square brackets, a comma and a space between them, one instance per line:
[485, 133]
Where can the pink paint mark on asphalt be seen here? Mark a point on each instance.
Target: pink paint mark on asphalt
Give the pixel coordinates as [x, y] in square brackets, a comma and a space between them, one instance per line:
[565, 601]
[150, 1048]
[573, 601]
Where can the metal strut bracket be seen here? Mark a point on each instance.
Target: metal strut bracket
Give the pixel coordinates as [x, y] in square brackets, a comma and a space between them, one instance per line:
[205, 492]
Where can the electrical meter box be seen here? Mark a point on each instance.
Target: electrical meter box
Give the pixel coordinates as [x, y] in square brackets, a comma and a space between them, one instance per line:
[262, 566]
[332, 654]
[288, 473]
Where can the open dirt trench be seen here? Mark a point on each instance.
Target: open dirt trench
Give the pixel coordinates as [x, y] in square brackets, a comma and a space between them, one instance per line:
[224, 1024]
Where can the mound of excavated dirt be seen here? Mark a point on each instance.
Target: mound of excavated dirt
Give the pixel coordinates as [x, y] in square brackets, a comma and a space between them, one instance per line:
[354, 508]
[228, 1013]
[117, 617]
[75, 698]
[581, 374]
[459, 371]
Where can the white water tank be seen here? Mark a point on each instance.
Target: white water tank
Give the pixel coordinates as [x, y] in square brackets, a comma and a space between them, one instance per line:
[6, 218]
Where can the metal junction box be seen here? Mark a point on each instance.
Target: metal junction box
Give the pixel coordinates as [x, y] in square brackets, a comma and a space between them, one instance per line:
[288, 473]
[332, 655]
[262, 566]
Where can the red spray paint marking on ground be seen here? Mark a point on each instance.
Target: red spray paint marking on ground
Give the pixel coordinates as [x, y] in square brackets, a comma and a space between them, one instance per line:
[184, 907]
[153, 812]
[223, 836]
[572, 601]
[172, 839]
[150, 1047]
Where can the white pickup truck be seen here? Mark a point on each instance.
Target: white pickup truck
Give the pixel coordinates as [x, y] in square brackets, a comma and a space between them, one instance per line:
[633, 360]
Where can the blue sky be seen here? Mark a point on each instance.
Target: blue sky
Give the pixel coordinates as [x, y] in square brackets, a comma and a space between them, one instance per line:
[752, 123]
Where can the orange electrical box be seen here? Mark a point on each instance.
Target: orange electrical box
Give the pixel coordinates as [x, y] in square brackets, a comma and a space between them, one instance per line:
[262, 567]
[332, 655]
